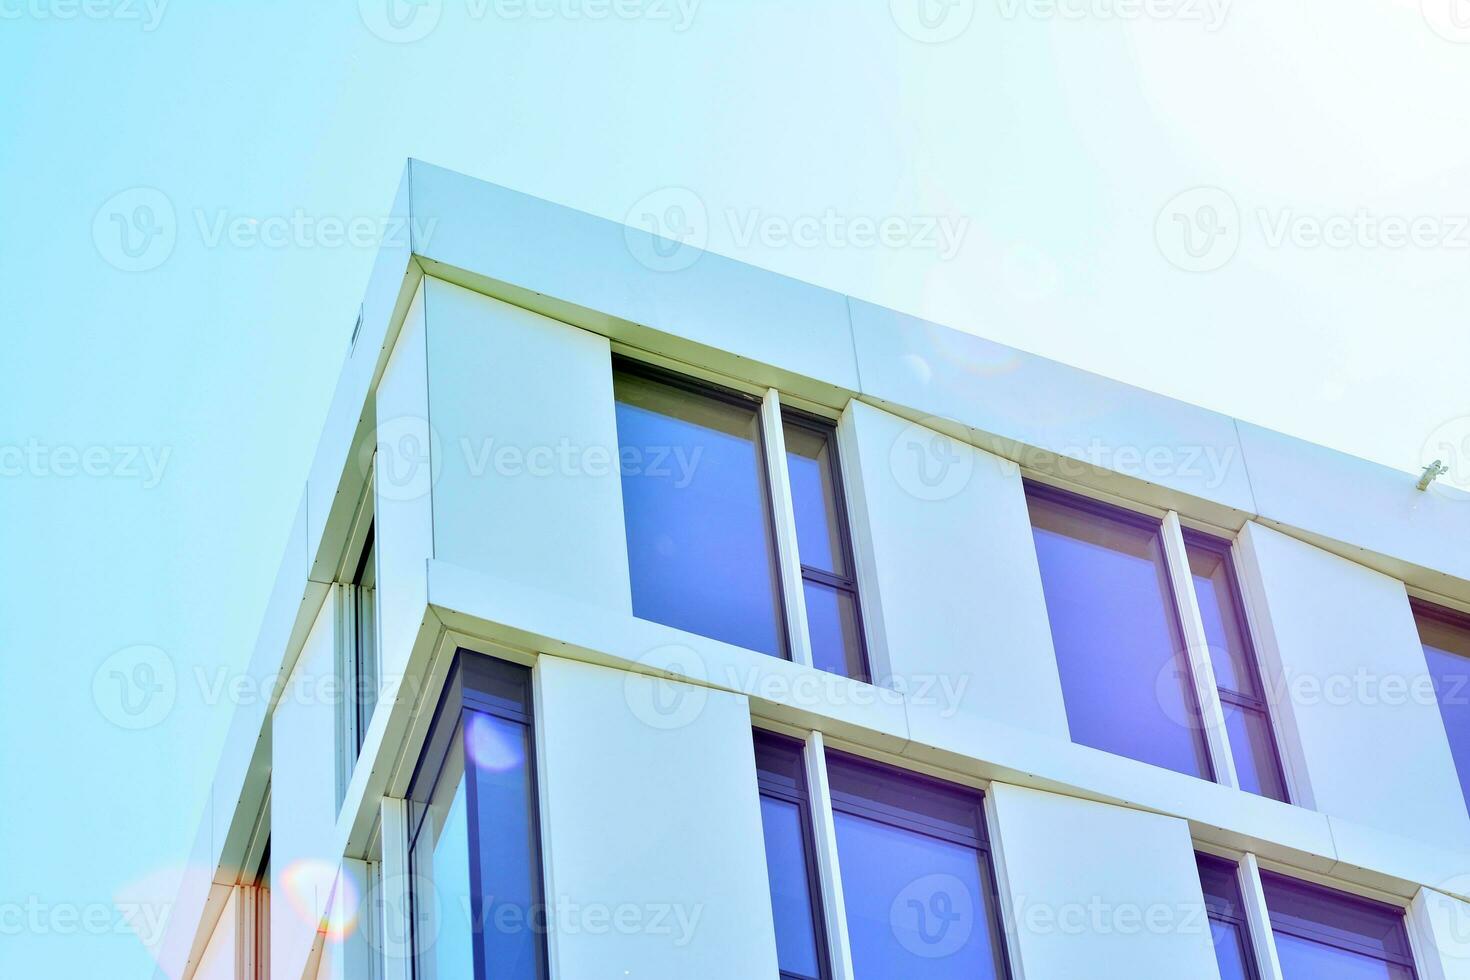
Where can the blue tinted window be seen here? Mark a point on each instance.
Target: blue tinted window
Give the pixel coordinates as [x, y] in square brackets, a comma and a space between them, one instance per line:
[1228, 927]
[786, 823]
[919, 896]
[834, 620]
[474, 853]
[700, 549]
[1125, 681]
[1247, 723]
[1446, 639]
[1324, 933]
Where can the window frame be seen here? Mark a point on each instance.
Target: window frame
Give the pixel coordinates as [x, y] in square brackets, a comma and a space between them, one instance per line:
[771, 416]
[1176, 609]
[848, 584]
[357, 665]
[912, 822]
[1327, 937]
[800, 796]
[470, 687]
[1240, 919]
[1225, 549]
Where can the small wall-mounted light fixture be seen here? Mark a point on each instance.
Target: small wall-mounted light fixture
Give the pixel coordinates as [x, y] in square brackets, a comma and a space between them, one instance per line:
[1431, 471]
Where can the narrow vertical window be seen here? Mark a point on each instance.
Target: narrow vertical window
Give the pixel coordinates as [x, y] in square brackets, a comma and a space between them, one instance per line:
[1228, 926]
[790, 861]
[1325, 933]
[824, 544]
[474, 847]
[916, 875]
[1446, 639]
[1237, 673]
[365, 645]
[1125, 680]
[701, 545]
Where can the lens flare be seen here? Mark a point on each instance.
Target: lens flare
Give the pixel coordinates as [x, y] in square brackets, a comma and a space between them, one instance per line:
[320, 897]
[494, 745]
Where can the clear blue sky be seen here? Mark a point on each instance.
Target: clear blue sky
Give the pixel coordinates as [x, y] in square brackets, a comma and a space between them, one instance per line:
[156, 425]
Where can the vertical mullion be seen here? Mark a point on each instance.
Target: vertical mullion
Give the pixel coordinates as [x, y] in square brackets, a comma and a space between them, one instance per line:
[824, 827]
[346, 658]
[395, 930]
[783, 513]
[1284, 760]
[1197, 652]
[1258, 918]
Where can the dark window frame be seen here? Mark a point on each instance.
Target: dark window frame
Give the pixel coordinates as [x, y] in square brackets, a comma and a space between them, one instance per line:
[847, 584]
[915, 822]
[1253, 704]
[799, 795]
[1173, 608]
[1238, 918]
[1295, 927]
[364, 663]
[477, 683]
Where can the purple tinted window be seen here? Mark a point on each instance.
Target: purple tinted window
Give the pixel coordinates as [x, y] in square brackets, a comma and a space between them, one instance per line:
[1228, 928]
[786, 823]
[1125, 681]
[916, 876]
[701, 555]
[1247, 722]
[1324, 933]
[823, 544]
[1446, 639]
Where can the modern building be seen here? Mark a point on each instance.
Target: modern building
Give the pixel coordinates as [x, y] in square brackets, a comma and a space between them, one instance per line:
[650, 615]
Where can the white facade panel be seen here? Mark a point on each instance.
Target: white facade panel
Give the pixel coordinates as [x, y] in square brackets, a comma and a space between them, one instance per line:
[1098, 891]
[624, 279]
[655, 859]
[957, 612]
[303, 801]
[1440, 928]
[1343, 663]
[1019, 401]
[522, 416]
[406, 463]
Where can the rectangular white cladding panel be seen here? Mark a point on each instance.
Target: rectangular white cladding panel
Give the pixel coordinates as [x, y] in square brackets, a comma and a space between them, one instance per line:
[404, 520]
[1346, 672]
[654, 852]
[523, 420]
[1099, 891]
[958, 613]
[303, 799]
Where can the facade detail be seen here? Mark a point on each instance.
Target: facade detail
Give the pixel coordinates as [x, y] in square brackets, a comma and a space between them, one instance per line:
[705, 623]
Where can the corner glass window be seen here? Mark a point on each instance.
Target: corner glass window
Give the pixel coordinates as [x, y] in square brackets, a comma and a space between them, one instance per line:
[790, 861]
[916, 875]
[1237, 674]
[1446, 639]
[1125, 680]
[1218, 880]
[1325, 933]
[474, 848]
[701, 549]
